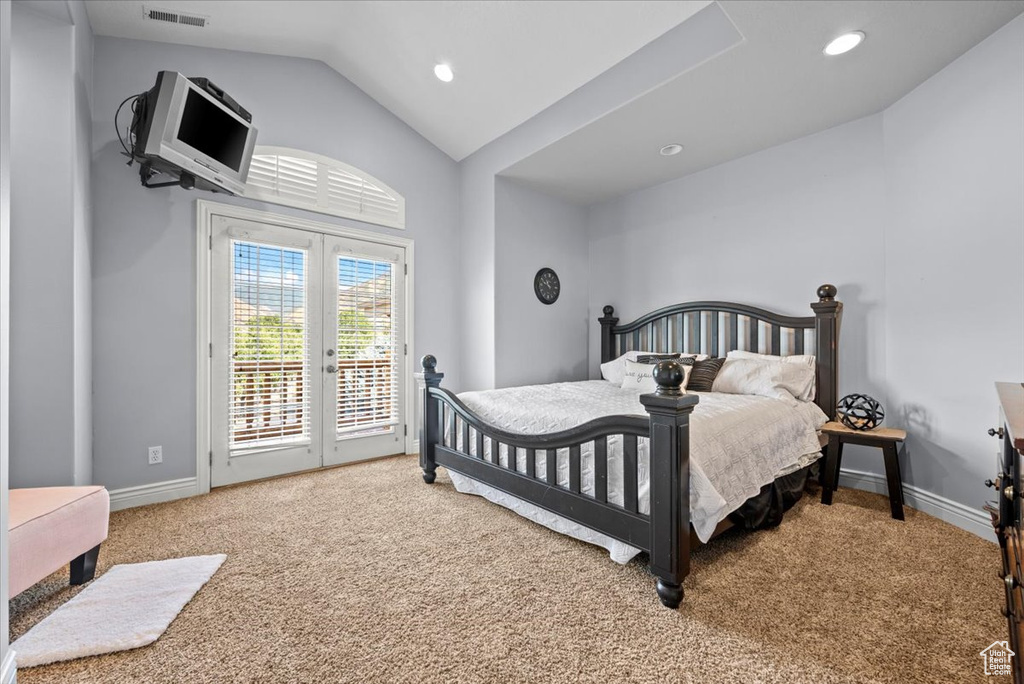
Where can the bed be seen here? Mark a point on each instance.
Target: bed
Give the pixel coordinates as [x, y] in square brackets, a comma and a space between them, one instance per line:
[638, 473]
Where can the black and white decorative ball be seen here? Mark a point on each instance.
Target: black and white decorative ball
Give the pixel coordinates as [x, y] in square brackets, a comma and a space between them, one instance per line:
[860, 412]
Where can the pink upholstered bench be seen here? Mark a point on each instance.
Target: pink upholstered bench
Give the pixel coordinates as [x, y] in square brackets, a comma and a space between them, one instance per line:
[51, 526]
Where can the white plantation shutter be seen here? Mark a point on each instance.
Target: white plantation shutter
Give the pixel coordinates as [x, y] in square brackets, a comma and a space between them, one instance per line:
[367, 346]
[350, 195]
[311, 181]
[284, 177]
[268, 384]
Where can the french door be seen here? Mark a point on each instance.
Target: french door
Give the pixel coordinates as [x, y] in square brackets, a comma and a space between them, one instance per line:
[308, 350]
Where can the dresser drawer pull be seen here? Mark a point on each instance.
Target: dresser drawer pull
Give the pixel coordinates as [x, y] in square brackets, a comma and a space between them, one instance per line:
[1006, 613]
[995, 432]
[1009, 493]
[1011, 582]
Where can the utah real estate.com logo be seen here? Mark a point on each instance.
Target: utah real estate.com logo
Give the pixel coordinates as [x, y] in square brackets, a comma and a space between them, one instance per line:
[997, 658]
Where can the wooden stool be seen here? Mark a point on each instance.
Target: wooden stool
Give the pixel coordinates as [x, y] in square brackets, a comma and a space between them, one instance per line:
[883, 438]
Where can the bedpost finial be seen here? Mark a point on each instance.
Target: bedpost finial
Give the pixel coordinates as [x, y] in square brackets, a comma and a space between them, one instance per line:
[429, 363]
[608, 310]
[669, 375]
[827, 293]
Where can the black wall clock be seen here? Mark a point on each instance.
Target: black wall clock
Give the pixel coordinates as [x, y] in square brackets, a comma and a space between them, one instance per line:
[546, 285]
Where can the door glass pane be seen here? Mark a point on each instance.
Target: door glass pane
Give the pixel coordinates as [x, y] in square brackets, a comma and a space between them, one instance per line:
[367, 358]
[269, 353]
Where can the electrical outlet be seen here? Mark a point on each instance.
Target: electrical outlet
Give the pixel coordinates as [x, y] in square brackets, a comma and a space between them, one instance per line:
[156, 455]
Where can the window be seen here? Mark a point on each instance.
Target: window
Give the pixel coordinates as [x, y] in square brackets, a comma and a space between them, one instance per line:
[269, 346]
[367, 346]
[294, 178]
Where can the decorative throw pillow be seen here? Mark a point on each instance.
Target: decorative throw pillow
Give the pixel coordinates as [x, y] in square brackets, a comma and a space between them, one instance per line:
[775, 379]
[640, 377]
[703, 376]
[613, 370]
[685, 360]
[805, 393]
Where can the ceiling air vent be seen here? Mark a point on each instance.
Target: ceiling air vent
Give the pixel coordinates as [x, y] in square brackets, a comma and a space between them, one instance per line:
[156, 14]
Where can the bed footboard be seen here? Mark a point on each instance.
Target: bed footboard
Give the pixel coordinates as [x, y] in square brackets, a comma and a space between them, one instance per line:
[454, 437]
[670, 411]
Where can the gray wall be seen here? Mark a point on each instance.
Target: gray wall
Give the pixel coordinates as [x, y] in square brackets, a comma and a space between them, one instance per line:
[5, 256]
[706, 34]
[50, 224]
[915, 214]
[476, 305]
[889, 199]
[144, 271]
[954, 162]
[765, 230]
[82, 78]
[534, 342]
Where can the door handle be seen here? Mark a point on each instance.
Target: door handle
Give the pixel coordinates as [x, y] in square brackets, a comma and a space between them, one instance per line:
[332, 369]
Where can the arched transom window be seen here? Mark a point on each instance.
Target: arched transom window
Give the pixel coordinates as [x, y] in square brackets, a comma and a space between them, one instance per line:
[311, 181]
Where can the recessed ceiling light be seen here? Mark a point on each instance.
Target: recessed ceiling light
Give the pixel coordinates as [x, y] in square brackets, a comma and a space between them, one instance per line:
[669, 150]
[844, 43]
[444, 72]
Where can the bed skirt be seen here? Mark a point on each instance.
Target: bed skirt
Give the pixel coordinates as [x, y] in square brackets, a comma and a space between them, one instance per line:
[763, 510]
[767, 508]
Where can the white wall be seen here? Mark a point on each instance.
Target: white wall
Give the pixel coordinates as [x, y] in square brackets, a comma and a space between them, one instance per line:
[144, 241]
[50, 217]
[765, 230]
[916, 214]
[5, 257]
[535, 342]
[954, 163]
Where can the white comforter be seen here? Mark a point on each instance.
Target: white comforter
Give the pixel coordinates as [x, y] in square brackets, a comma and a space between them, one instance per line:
[738, 444]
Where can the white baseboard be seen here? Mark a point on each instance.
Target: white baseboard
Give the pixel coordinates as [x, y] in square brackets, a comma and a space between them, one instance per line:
[158, 492]
[964, 517]
[8, 670]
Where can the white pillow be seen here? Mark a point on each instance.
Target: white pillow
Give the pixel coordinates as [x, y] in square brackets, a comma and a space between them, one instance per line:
[616, 368]
[613, 370]
[640, 377]
[806, 393]
[771, 378]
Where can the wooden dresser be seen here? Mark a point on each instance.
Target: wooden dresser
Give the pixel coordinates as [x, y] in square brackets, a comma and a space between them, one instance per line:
[1006, 513]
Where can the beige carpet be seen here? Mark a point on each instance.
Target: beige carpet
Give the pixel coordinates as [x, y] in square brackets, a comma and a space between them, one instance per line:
[365, 574]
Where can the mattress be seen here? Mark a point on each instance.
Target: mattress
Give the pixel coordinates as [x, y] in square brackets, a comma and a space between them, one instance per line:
[738, 444]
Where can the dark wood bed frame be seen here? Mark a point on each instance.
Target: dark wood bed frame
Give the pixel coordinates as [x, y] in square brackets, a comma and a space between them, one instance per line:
[664, 533]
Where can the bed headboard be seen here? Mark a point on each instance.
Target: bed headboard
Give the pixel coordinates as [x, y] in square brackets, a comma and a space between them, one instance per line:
[716, 328]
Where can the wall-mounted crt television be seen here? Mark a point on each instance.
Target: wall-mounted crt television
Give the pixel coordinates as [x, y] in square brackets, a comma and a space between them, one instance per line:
[191, 128]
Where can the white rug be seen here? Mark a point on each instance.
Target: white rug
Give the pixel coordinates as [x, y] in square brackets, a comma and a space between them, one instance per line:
[128, 607]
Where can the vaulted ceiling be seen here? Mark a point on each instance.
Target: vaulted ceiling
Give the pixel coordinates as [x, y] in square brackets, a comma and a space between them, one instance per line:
[510, 59]
[513, 59]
